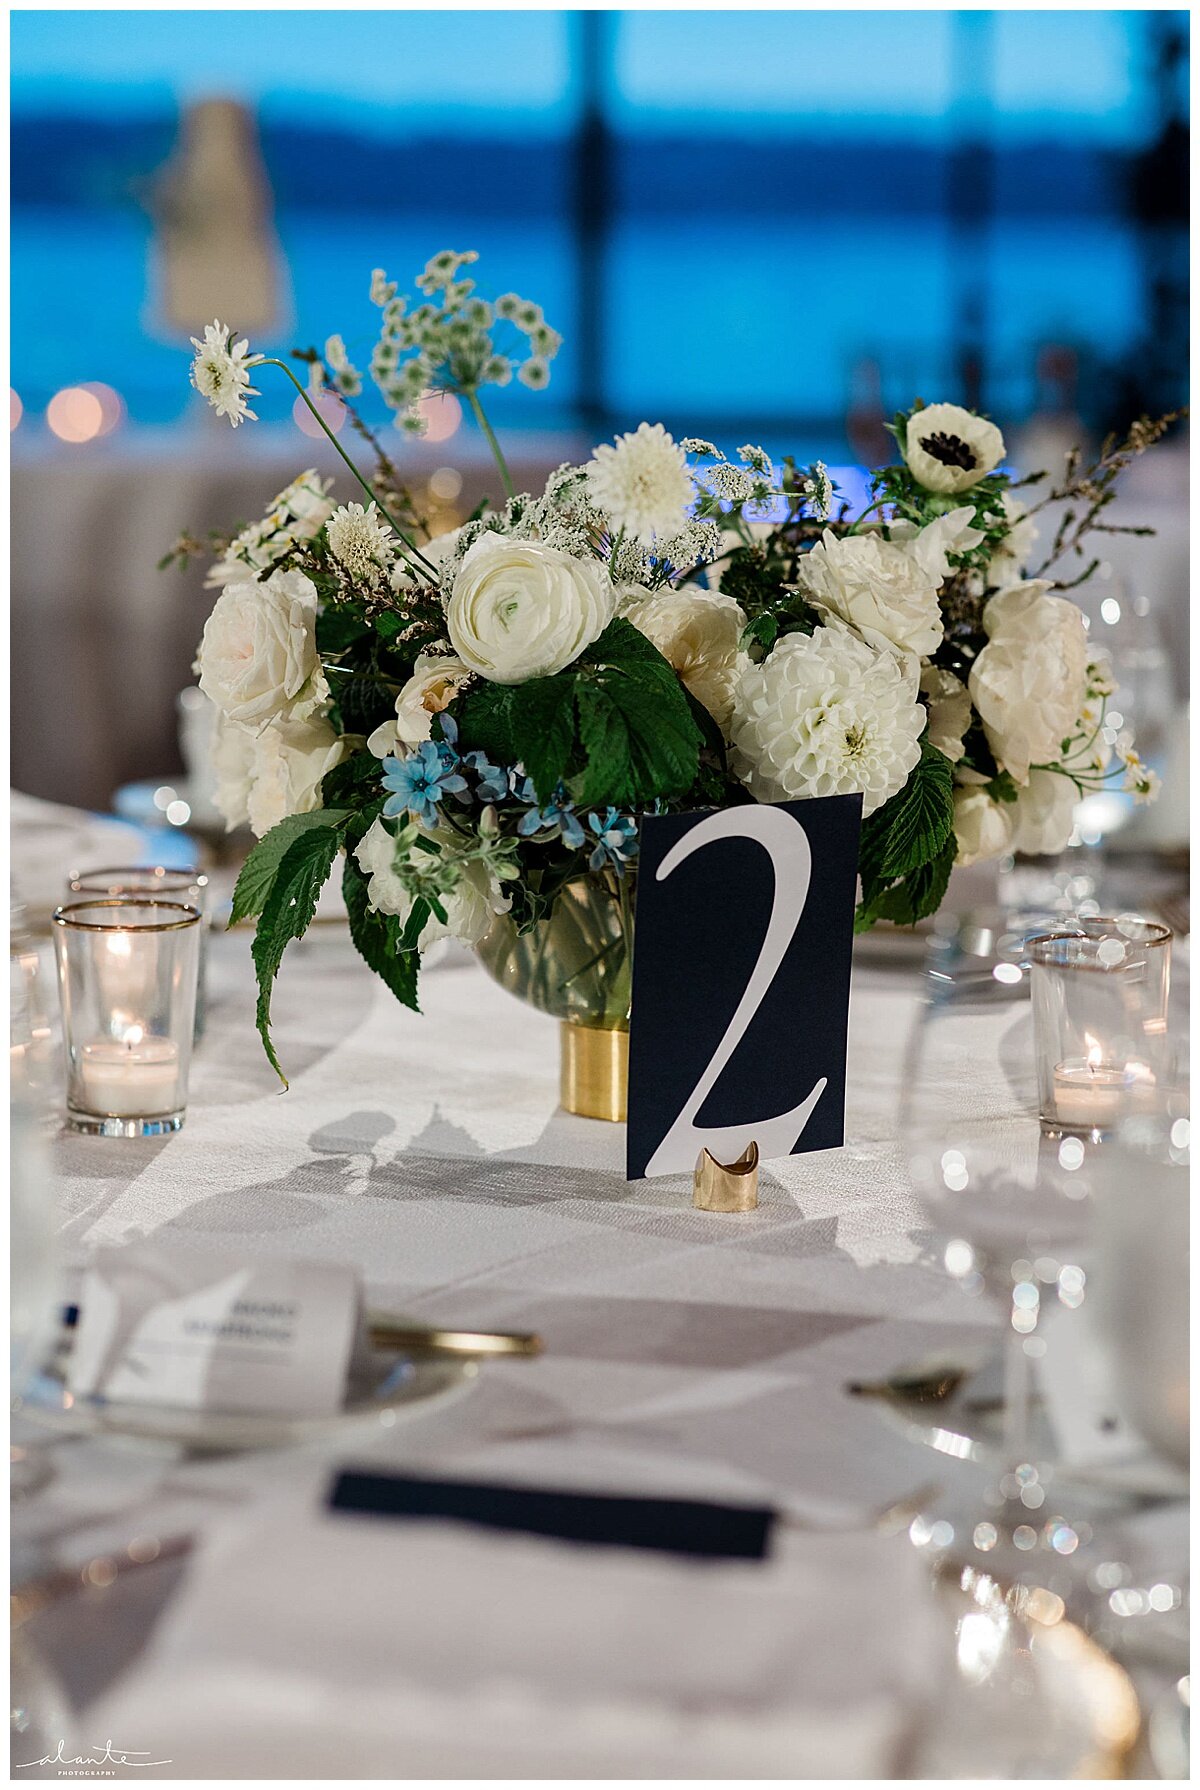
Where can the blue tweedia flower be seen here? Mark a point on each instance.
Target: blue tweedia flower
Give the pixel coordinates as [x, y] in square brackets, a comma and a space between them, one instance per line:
[616, 841]
[495, 781]
[420, 782]
[557, 816]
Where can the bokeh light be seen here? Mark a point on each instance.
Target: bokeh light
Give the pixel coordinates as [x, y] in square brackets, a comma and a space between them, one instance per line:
[442, 413]
[75, 414]
[332, 410]
[112, 405]
[16, 409]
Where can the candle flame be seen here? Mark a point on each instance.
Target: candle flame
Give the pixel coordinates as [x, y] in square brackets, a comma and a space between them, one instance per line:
[1095, 1055]
[120, 945]
[134, 1035]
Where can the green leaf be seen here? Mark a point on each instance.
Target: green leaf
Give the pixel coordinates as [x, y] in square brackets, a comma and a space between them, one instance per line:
[543, 730]
[287, 914]
[913, 825]
[339, 628]
[358, 779]
[380, 939]
[262, 866]
[919, 894]
[484, 717]
[387, 623]
[605, 740]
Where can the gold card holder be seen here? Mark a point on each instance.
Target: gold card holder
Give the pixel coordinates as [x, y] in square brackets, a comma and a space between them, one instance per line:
[717, 1187]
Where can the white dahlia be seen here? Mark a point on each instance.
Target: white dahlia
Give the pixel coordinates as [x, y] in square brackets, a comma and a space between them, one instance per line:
[221, 372]
[642, 483]
[827, 715]
[950, 449]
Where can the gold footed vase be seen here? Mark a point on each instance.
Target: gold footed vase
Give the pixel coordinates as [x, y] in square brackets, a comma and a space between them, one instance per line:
[577, 965]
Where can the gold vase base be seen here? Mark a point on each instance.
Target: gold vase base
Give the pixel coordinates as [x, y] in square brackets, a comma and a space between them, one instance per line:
[726, 1187]
[594, 1077]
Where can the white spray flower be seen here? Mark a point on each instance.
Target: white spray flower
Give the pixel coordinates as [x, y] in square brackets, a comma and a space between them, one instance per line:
[360, 542]
[221, 372]
[642, 483]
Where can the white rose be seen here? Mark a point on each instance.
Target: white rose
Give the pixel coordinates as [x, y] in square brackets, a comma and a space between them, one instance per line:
[949, 710]
[435, 682]
[697, 633]
[982, 828]
[879, 586]
[520, 610]
[1030, 680]
[258, 658]
[470, 906]
[826, 715]
[232, 757]
[1045, 814]
[950, 449]
[289, 760]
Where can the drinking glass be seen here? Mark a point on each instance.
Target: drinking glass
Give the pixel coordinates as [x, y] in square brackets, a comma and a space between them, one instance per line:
[127, 973]
[1099, 988]
[186, 883]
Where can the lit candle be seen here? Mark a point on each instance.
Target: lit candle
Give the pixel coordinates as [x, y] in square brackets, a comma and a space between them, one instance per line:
[1090, 1094]
[133, 1078]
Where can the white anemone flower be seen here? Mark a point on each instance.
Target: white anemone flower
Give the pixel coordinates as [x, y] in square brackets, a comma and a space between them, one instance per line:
[642, 483]
[220, 372]
[949, 449]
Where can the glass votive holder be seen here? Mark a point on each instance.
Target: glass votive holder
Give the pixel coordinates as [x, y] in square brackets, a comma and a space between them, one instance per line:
[1099, 990]
[127, 970]
[188, 884]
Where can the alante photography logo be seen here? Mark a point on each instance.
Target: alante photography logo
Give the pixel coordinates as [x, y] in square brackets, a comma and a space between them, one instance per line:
[96, 1761]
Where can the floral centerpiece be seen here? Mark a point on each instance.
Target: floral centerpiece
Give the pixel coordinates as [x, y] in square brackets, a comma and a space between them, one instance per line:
[475, 721]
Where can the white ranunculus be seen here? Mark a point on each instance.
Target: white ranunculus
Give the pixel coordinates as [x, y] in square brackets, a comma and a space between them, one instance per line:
[1044, 814]
[470, 906]
[697, 633]
[982, 828]
[827, 715]
[436, 680]
[289, 760]
[949, 449]
[1011, 558]
[1030, 680]
[949, 710]
[879, 586]
[258, 658]
[232, 758]
[521, 610]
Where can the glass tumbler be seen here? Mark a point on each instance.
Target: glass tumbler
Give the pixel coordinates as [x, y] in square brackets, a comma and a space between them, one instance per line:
[1099, 988]
[188, 884]
[127, 973]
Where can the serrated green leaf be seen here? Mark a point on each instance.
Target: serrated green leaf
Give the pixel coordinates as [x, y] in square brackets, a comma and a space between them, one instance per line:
[604, 736]
[484, 717]
[287, 914]
[262, 866]
[913, 825]
[338, 629]
[542, 728]
[380, 939]
[914, 898]
[357, 779]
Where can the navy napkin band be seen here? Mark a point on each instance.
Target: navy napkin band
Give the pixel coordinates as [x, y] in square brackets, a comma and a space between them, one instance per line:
[670, 1525]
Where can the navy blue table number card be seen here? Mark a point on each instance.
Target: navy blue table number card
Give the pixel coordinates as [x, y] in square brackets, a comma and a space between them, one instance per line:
[741, 982]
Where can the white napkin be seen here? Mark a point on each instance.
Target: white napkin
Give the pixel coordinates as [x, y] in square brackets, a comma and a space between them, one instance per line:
[350, 1646]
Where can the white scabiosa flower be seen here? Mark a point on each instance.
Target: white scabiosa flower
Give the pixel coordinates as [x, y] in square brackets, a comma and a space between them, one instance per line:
[641, 482]
[949, 449]
[362, 544]
[826, 715]
[1029, 683]
[221, 372]
[697, 633]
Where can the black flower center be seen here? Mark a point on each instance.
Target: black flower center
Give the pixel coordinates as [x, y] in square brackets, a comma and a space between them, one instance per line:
[951, 450]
